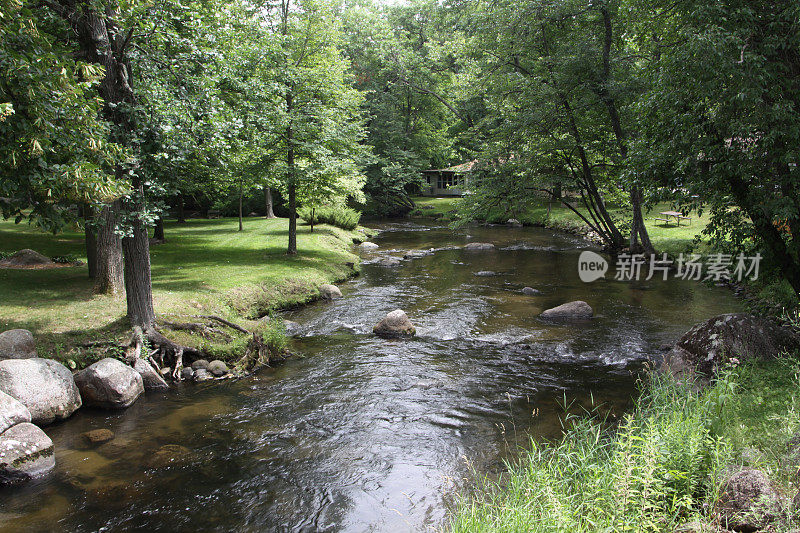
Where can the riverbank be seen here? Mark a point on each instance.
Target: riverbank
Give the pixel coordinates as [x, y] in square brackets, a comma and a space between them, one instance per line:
[663, 466]
[205, 267]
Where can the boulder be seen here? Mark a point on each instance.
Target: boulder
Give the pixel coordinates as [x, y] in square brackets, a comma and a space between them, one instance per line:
[413, 254]
[330, 292]
[187, 373]
[200, 363]
[44, 386]
[150, 378]
[514, 223]
[292, 328]
[395, 324]
[201, 374]
[388, 261]
[97, 436]
[218, 368]
[17, 344]
[569, 310]
[477, 246]
[26, 452]
[110, 384]
[711, 344]
[12, 412]
[748, 501]
[25, 258]
[366, 245]
[530, 291]
[485, 273]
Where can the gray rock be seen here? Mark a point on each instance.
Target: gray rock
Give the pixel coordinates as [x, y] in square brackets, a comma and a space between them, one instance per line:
[292, 328]
[187, 373]
[395, 324]
[200, 363]
[17, 344]
[485, 273]
[26, 452]
[330, 292]
[218, 368]
[12, 412]
[110, 384]
[366, 245]
[97, 436]
[514, 223]
[201, 374]
[748, 501]
[530, 291]
[414, 254]
[570, 310]
[44, 386]
[150, 378]
[388, 261]
[478, 246]
[710, 345]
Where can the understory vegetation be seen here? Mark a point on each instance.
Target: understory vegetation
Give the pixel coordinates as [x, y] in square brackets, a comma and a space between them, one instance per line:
[339, 216]
[660, 467]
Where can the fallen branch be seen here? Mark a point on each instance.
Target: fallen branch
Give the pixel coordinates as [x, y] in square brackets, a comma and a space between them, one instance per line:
[228, 323]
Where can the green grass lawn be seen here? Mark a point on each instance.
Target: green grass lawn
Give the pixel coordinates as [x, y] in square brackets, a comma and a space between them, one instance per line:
[668, 238]
[205, 267]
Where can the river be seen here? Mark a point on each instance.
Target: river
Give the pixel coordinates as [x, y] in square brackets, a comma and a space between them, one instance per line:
[364, 434]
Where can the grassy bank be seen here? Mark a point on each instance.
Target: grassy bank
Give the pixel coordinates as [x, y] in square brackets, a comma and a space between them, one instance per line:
[660, 468]
[204, 267]
[668, 238]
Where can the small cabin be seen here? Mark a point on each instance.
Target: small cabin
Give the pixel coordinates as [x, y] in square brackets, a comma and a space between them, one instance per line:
[451, 181]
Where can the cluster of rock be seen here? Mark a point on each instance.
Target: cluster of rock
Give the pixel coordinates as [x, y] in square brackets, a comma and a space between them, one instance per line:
[395, 325]
[35, 391]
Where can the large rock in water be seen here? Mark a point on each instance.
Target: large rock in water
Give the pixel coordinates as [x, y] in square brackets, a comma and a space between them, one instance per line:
[395, 324]
[26, 257]
[12, 412]
[44, 386]
[26, 452]
[330, 292]
[478, 246]
[368, 246]
[17, 344]
[569, 310]
[150, 378]
[709, 345]
[110, 384]
[748, 501]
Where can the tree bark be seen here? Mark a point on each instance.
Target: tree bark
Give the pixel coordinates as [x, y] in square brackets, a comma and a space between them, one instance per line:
[292, 248]
[241, 192]
[268, 201]
[109, 278]
[138, 285]
[158, 232]
[181, 210]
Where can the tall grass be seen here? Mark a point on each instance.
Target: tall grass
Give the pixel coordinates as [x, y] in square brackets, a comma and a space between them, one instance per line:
[339, 216]
[659, 468]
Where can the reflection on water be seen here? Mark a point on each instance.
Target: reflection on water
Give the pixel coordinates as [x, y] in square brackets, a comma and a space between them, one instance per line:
[364, 434]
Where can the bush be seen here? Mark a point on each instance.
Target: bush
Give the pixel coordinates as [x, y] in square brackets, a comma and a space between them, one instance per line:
[658, 468]
[341, 217]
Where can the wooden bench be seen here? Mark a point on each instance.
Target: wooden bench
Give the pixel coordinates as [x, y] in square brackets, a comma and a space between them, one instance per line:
[664, 220]
[685, 218]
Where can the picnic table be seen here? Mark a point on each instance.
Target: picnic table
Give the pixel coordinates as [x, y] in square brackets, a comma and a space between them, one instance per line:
[667, 215]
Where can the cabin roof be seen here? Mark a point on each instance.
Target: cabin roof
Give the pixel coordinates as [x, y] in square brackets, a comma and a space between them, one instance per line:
[457, 169]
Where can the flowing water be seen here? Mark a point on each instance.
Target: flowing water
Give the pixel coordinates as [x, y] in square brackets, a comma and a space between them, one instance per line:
[365, 434]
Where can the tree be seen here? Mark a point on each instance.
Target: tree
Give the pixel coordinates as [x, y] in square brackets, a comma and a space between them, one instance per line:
[722, 120]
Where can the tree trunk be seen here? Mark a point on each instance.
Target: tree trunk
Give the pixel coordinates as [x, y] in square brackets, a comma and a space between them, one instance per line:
[313, 211]
[292, 248]
[109, 276]
[91, 241]
[241, 227]
[181, 211]
[268, 201]
[158, 233]
[138, 285]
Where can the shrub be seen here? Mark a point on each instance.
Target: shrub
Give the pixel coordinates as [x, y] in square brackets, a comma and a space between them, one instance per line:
[339, 216]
